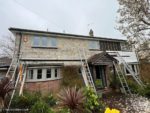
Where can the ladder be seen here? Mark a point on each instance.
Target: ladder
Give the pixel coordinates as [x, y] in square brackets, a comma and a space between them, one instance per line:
[16, 85]
[87, 77]
[124, 84]
[133, 74]
[12, 70]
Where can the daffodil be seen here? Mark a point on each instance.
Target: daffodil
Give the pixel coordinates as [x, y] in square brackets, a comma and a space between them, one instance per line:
[108, 110]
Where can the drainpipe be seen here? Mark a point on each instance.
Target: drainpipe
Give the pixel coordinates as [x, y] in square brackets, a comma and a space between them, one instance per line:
[20, 39]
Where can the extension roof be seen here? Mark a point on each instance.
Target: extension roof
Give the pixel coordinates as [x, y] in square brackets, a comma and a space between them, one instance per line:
[65, 35]
[4, 62]
[101, 59]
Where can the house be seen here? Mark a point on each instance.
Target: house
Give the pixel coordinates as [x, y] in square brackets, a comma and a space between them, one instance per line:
[4, 65]
[46, 53]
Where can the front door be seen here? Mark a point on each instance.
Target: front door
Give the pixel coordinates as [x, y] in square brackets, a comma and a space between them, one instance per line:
[100, 81]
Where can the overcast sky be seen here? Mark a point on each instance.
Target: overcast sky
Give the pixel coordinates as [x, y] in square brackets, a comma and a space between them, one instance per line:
[70, 16]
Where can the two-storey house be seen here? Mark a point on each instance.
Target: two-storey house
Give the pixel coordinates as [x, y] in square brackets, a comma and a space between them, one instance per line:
[45, 53]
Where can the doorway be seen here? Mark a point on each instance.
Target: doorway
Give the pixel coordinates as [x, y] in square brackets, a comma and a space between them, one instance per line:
[100, 81]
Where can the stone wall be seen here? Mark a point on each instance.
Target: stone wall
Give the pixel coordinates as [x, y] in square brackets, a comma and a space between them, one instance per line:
[66, 49]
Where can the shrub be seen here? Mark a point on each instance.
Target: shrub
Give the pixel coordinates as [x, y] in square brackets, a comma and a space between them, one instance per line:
[145, 91]
[73, 99]
[26, 100]
[93, 103]
[50, 100]
[40, 107]
[71, 77]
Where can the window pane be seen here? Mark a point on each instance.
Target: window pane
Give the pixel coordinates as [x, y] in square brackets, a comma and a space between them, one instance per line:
[56, 73]
[39, 74]
[36, 41]
[44, 41]
[93, 45]
[30, 76]
[48, 74]
[53, 42]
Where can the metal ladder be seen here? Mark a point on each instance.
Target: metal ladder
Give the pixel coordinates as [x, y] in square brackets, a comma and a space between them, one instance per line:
[86, 70]
[133, 74]
[15, 87]
[124, 84]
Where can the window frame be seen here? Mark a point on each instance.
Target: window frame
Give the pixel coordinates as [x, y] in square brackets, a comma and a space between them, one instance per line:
[44, 74]
[48, 44]
[97, 43]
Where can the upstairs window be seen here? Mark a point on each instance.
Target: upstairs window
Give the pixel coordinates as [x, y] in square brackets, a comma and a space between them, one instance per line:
[38, 41]
[44, 41]
[53, 42]
[94, 45]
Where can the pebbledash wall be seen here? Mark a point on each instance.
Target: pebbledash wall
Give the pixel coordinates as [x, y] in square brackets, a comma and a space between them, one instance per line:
[66, 50]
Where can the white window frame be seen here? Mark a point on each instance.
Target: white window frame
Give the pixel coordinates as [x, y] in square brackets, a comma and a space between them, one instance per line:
[51, 42]
[135, 68]
[94, 45]
[44, 76]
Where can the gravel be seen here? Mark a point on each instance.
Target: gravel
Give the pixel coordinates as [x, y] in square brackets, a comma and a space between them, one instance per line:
[129, 104]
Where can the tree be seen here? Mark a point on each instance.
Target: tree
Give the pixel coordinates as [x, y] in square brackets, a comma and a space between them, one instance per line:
[7, 46]
[134, 23]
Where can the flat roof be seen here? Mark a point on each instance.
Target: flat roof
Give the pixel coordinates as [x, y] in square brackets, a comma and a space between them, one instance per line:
[19, 30]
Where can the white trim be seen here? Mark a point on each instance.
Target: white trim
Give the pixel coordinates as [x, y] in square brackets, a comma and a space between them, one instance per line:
[44, 78]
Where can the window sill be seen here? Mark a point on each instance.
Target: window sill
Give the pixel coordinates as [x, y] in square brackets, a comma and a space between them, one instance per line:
[94, 49]
[45, 47]
[42, 80]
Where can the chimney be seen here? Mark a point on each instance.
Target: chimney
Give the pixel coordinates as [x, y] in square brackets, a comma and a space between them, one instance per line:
[91, 33]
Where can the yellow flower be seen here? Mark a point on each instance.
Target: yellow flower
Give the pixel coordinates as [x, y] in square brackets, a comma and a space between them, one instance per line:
[108, 110]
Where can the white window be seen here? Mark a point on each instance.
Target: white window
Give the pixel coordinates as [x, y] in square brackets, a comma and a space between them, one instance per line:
[43, 74]
[53, 42]
[44, 41]
[94, 45]
[133, 67]
[39, 74]
[48, 73]
[38, 41]
[30, 74]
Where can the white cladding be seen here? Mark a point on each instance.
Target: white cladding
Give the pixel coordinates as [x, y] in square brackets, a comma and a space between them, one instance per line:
[129, 57]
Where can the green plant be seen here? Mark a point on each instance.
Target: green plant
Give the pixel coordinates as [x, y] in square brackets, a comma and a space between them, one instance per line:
[145, 91]
[64, 110]
[50, 100]
[93, 104]
[40, 107]
[25, 101]
[73, 99]
[71, 77]
[98, 83]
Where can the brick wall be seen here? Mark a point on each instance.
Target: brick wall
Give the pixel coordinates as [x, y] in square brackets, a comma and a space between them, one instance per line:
[44, 86]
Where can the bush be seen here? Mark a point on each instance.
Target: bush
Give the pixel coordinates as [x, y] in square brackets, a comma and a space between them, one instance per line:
[145, 91]
[25, 101]
[71, 77]
[50, 100]
[93, 103]
[40, 107]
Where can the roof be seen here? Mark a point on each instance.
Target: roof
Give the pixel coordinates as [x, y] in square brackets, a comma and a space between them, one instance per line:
[4, 62]
[101, 59]
[28, 31]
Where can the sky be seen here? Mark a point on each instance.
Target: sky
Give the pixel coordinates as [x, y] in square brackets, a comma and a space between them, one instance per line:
[69, 16]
